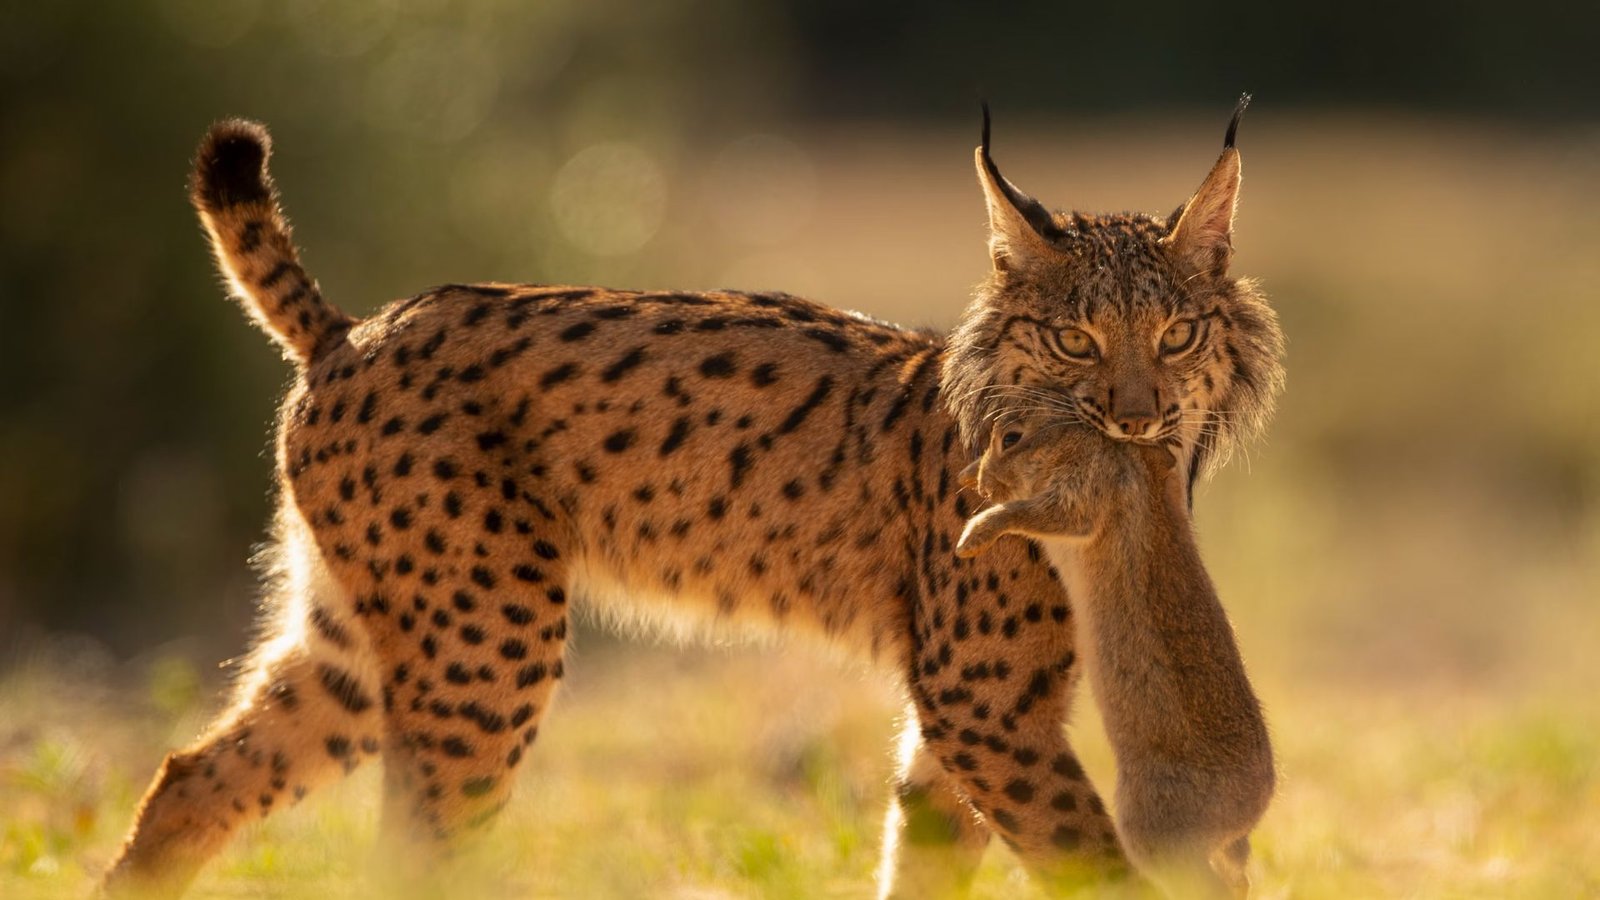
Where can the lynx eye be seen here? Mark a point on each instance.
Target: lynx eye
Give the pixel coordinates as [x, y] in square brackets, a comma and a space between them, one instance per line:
[1178, 337]
[1009, 439]
[1075, 343]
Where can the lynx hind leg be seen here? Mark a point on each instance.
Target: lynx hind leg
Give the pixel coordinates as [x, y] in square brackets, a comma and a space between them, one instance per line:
[1002, 743]
[465, 709]
[933, 839]
[305, 714]
[1045, 515]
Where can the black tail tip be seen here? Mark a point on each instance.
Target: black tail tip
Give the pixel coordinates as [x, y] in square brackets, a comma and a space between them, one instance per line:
[1233, 124]
[231, 166]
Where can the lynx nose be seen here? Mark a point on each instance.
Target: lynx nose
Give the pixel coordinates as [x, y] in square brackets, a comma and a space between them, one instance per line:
[1133, 405]
[1136, 424]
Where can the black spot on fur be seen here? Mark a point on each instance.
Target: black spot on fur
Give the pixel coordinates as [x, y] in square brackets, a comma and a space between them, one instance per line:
[577, 331]
[1020, 790]
[555, 376]
[1067, 767]
[719, 366]
[675, 437]
[344, 688]
[833, 340]
[531, 674]
[629, 360]
[1005, 820]
[799, 414]
[739, 462]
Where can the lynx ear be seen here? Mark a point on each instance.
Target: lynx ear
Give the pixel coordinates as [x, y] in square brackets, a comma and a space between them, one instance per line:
[1020, 228]
[1203, 234]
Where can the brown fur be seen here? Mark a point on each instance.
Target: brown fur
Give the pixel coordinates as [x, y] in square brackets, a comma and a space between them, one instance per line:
[458, 469]
[1194, 762]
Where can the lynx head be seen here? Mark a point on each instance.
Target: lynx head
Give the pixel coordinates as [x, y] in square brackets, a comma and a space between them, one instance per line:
[1130, 323]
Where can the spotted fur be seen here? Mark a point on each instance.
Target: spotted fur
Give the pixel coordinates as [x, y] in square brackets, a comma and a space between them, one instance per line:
[458, 470]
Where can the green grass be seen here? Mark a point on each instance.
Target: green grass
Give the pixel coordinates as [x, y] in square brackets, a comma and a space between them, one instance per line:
[705, 772]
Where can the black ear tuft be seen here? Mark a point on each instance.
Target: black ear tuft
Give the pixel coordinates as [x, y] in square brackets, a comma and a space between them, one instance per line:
[1233, 124]
[230, 167]
[985, 143]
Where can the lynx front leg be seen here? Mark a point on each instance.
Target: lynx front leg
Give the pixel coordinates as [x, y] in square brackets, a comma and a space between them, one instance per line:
[933, 839]
[992, 688]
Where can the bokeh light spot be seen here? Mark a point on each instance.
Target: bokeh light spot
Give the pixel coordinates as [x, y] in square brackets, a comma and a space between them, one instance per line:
[609, 199]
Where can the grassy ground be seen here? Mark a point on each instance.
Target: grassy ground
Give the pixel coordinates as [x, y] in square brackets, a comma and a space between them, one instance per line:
[763, 773]
[1413, 561]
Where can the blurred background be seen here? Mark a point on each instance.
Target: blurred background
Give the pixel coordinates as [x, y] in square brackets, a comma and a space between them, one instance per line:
[1412, 557]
